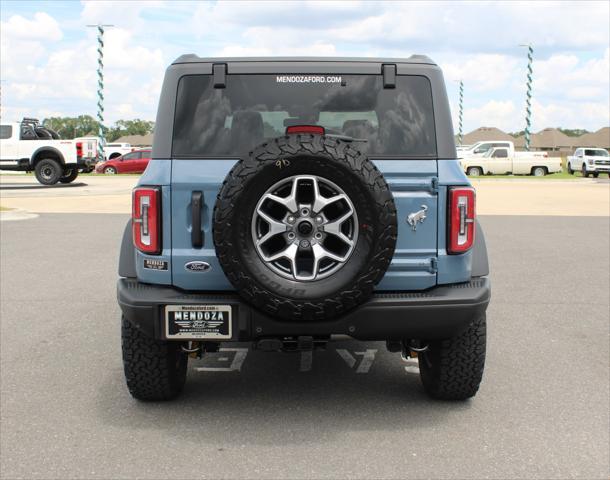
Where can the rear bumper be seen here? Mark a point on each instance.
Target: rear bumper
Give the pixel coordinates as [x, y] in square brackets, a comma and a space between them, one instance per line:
[440, 312]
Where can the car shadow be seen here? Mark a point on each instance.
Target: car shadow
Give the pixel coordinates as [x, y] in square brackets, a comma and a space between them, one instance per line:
[37, 186]
[270, 401]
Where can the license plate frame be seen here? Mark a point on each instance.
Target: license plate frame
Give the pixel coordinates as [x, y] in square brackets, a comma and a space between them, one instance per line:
[198, 322]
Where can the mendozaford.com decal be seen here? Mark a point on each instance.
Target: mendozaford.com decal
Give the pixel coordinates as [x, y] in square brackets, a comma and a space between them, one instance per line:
[308, 79]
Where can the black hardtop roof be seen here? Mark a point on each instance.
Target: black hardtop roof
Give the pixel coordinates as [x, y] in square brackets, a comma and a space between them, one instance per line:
[413, 59]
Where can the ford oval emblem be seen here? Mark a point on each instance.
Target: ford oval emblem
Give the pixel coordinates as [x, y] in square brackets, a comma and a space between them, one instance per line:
[197, 266]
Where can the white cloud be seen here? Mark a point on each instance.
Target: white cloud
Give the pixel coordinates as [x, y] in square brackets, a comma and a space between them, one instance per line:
[48, 64]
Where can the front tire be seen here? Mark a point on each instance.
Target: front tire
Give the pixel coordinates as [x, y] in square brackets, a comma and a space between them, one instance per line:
[584, 171]
[570, 171]
[69, 175]
[110, 171]
[48, 171]
[452, 369]
[154, 369]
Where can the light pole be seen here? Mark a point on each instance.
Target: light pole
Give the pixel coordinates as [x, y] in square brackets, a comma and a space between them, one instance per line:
[460, 112]
[528, 99]
[101, 141]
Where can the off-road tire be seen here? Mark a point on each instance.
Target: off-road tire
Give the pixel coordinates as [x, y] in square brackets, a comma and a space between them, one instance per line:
[48, 171]
[474, 172]
[69, 175]
[452, 369]
[338, 161]
[154, 369]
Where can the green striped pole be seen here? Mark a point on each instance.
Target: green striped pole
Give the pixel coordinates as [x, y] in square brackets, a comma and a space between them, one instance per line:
[528, 99]
[101, 141]
[461, 112]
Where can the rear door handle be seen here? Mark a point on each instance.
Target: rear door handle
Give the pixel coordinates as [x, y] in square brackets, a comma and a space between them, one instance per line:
[196, 232]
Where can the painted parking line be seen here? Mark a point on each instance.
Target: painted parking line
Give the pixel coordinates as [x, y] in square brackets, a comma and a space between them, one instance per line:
[360, 362]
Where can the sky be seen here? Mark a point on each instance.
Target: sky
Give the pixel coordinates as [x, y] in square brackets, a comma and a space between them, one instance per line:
[48, 56]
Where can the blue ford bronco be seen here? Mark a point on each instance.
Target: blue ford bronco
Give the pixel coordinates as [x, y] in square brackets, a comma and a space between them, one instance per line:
[293, 200]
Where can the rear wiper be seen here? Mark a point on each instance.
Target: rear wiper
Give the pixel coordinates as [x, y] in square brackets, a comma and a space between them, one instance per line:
[346, 138]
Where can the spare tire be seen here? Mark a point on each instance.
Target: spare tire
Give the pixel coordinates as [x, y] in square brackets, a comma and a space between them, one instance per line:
[305, 227]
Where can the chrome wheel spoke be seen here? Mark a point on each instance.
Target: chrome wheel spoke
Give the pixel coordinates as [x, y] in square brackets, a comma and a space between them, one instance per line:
[275, 227]
[295, 236]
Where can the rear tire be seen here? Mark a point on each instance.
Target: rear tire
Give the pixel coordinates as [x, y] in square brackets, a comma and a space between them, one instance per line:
[538, 171]
[69, 175]
[452, 369]
[154, 369]
[48, 171]
[474, 172]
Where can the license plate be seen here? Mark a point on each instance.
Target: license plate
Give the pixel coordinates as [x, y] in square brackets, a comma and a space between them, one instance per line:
[198, 322]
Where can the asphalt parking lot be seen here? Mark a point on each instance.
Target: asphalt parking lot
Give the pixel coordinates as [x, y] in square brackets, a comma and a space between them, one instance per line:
[353, 411]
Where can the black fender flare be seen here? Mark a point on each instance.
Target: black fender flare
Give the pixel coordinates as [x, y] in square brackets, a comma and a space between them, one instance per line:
[50, 149]
[480, 262]
[127, 257]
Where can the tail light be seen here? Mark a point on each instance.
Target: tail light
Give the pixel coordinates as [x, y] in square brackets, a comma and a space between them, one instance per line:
[315, 129]
[461, 219]
[79, 149]
[146, 219]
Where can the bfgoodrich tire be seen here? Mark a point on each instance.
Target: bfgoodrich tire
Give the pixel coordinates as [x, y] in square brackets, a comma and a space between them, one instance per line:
[329, 163]
[452, 369]
[48, 171]
[154, 369]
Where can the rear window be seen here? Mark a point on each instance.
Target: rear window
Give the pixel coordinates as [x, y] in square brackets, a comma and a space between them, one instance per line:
[232, 121]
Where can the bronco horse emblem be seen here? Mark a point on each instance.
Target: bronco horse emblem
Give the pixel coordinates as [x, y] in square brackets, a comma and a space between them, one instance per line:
[416, 217]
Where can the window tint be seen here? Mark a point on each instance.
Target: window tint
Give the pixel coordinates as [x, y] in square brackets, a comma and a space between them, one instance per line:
[6, 131]
[253, 108]
[502, 153]
[597, 152]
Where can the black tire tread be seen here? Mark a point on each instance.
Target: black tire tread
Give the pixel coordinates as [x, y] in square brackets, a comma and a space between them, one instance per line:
[38, 171]
[246, 170]
[69, 178]
[154, 369]
[458, 364]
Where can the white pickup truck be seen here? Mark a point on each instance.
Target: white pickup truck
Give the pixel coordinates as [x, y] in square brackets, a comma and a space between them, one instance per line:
[114, 150]
[589, 161]
[500, 160]
[481, 148]
[28, 146]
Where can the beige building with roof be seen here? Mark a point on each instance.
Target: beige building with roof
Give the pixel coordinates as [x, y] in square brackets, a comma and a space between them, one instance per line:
[136, 140]
[601, 139]
[483, 134]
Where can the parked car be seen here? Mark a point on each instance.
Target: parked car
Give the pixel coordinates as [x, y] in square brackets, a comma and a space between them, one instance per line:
[481, 148]
[500, 161]
[263, 218]
[114, 150]
[589, 161]
[133, 162]
[29, 146]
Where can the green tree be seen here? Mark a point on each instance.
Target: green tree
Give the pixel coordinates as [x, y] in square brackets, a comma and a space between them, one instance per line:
[73, 127]
[130, 127]
[573, 132]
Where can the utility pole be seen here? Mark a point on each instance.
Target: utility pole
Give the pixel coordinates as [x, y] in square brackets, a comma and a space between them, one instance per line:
[528, 99]
[101, 141]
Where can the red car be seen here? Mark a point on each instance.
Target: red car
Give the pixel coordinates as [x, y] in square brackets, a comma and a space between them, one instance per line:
[133, 162]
